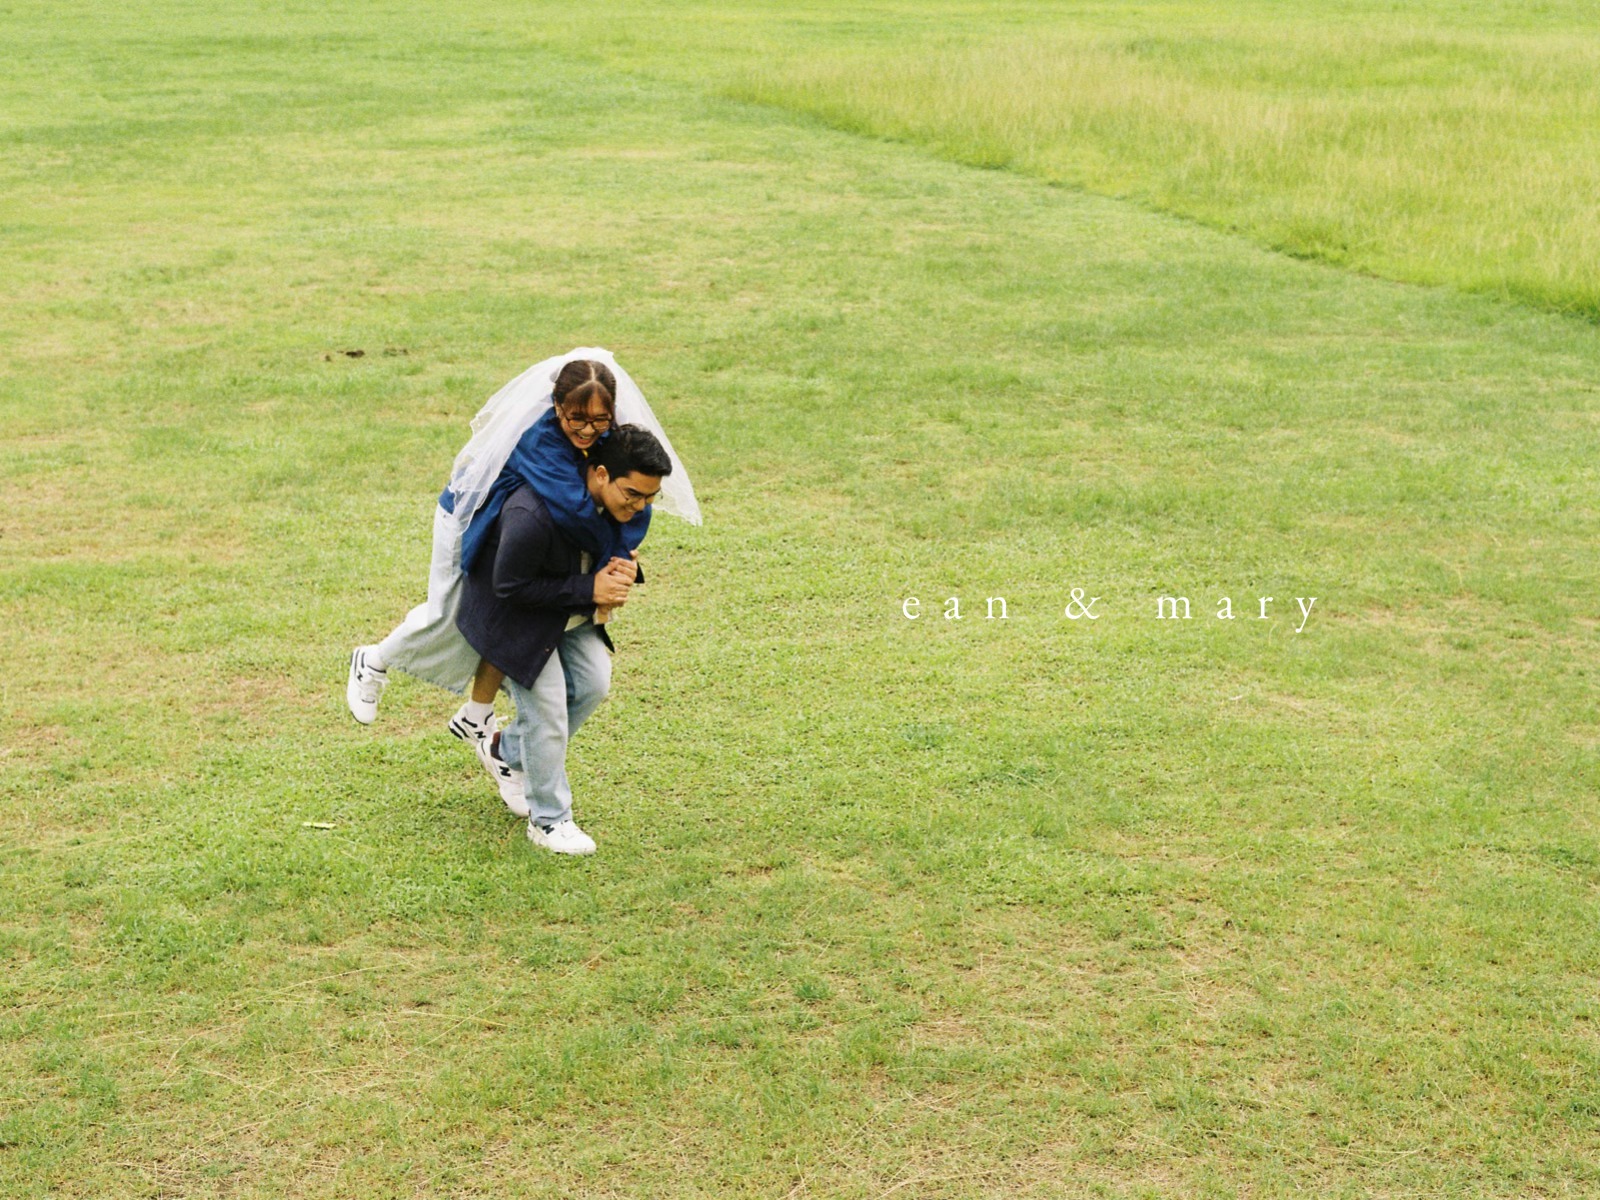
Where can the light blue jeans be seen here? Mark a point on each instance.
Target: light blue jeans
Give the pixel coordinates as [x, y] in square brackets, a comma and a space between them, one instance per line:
[568, 690]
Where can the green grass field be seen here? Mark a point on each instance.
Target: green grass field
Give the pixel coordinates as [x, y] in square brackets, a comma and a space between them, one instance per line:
[1030, 908]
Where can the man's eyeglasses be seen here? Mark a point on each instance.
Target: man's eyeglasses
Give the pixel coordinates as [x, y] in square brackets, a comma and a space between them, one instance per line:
[632, 497]
[582, 421]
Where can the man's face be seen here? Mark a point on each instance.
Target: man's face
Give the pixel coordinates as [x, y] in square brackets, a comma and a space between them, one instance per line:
[584, 423]
[626, 496]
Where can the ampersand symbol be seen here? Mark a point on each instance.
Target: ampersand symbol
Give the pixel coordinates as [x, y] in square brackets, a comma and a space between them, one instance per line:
[1085, 608]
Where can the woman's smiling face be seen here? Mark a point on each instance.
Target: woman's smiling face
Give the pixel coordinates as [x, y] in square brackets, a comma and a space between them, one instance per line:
[583, 423]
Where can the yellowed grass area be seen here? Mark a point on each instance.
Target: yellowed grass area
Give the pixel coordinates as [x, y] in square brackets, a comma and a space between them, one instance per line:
[1457, 158]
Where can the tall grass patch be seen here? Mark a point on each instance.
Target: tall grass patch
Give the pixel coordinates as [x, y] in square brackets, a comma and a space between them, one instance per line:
[1438, 144]
[1438, 157]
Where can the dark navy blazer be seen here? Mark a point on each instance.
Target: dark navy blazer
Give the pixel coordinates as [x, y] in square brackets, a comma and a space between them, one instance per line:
[525, 583]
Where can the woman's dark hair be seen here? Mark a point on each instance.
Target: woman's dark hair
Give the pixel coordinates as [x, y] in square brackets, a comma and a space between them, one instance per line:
[631, 448]
[581, 380]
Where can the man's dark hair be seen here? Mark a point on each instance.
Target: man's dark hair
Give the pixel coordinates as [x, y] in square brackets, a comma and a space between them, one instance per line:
[631, 448]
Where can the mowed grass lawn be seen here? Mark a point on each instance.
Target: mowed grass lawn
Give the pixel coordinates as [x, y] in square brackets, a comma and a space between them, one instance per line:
[1033, 907]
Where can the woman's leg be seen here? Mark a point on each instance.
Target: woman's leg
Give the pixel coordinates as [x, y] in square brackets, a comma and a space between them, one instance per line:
[381, 655]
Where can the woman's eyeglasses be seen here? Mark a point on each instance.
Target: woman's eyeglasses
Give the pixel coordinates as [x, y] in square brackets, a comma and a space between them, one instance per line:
[583, 421]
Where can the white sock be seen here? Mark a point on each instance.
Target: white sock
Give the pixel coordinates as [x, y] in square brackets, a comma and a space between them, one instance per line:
[478, 713]
[374, 659]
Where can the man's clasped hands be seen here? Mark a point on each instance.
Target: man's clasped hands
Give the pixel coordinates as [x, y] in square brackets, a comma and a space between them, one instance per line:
[612, 583]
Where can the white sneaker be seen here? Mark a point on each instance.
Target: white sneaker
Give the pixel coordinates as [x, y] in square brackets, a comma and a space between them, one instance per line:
[365, 685]
[563, 838]
[471, 731]
[510, 782]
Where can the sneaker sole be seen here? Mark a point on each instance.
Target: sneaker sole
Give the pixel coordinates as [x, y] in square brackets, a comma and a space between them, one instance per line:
[539, 840]
[518, 809]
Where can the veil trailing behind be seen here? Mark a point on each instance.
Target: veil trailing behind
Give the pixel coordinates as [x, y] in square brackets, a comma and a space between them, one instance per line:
[427, 643]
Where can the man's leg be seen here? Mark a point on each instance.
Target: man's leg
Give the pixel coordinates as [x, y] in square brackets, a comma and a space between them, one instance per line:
[568, 690]
[486, 683]
[587, 666]
[535, 743]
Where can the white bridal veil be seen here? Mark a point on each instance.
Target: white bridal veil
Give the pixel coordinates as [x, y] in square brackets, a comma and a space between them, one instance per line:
[501, 423]
[427, 644]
